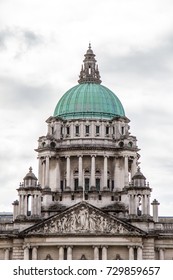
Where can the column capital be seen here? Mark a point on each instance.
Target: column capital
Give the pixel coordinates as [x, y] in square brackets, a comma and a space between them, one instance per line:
[7, 249]
[26, 246]
[34, 246]
[93, 155]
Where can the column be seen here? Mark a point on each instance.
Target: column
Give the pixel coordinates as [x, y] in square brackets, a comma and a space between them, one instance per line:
[105, 172]
[38, 205]
[21, 204]
[155, 205]
[143, 205]
[26, 252]
[61, 253]
[25, 205]
[139, 253]
[117, 175]
[134, 167]
[7, 254]
[135, 204]
[68, 172]
[161, 254]
[96, 253]
[93, 184]
[131, 253]
[47, 172]
[32, 204]
[58, 178]
[104, 253]
[130, 204]
[80, 172]
[69, 253]
[44, 173]
[148, 204]
[34, 253]
[40, 173]
[126, 171]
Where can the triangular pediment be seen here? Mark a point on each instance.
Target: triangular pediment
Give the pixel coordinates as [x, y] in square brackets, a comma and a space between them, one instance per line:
[80, 219]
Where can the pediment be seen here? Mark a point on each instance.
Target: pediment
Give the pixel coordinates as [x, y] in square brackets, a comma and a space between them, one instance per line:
[80, 219]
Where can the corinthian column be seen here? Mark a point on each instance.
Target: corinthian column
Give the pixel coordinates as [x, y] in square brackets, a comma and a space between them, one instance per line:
[69, 253]
[105, 172]
[68, 173]
[7, 254]
[93, 168]
[126, 172]
[80, 172]
[47, 172]
[34, 253]
[96, 253]
[104, 253]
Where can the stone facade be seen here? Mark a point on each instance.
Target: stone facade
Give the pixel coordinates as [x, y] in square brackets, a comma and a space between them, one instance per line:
[92, 200]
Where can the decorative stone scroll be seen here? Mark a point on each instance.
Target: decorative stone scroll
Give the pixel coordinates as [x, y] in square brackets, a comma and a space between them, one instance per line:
[82, 219]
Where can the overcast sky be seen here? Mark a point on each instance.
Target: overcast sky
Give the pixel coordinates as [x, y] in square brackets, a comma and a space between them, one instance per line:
[42, 43]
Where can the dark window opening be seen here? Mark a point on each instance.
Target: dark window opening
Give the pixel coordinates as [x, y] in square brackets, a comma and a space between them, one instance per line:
[107, 130]
[98, 184]
[87, 129]
[87, 184]
[62, 185]
[68, 130]
[76, 184]
[77, 129]
[97, 129]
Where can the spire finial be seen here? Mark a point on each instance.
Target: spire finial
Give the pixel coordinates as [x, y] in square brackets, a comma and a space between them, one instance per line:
[89, 72]
[30, 169]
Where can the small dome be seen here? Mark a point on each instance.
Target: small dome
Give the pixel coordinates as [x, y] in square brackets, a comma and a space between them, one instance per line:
[89, 100]
[30, 175]
[138, 175]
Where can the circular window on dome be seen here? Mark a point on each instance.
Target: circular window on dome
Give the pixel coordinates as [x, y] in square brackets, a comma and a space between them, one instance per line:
[121, 144]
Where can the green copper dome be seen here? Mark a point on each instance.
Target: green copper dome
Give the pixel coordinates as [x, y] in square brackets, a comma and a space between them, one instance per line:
[89, 100]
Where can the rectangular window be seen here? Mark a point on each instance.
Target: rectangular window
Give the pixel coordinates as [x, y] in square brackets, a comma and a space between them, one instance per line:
[68, 130]
[62, 185]
[87, 129]
[87, 181]
[98, 184]
[76, 184]
[97, 129]
[77, 129]
[61, 130]
[107, 130]
[122, 130]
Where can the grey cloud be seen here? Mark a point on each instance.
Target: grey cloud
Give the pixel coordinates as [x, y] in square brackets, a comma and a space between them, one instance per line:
[153, 63]
[31, 38]
[4, 35]
[26, 38]
[16, 94]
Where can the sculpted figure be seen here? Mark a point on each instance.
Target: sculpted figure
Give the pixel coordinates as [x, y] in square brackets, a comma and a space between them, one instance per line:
[92, 221]
[83, 218]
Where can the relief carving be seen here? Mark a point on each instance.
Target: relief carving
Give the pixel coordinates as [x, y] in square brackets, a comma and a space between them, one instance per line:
[80, 220]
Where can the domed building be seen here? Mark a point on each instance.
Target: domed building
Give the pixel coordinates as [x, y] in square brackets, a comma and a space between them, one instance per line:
[91, 200]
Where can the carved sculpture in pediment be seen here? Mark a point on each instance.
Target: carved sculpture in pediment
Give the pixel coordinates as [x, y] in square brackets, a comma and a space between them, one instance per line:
[82, 219]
